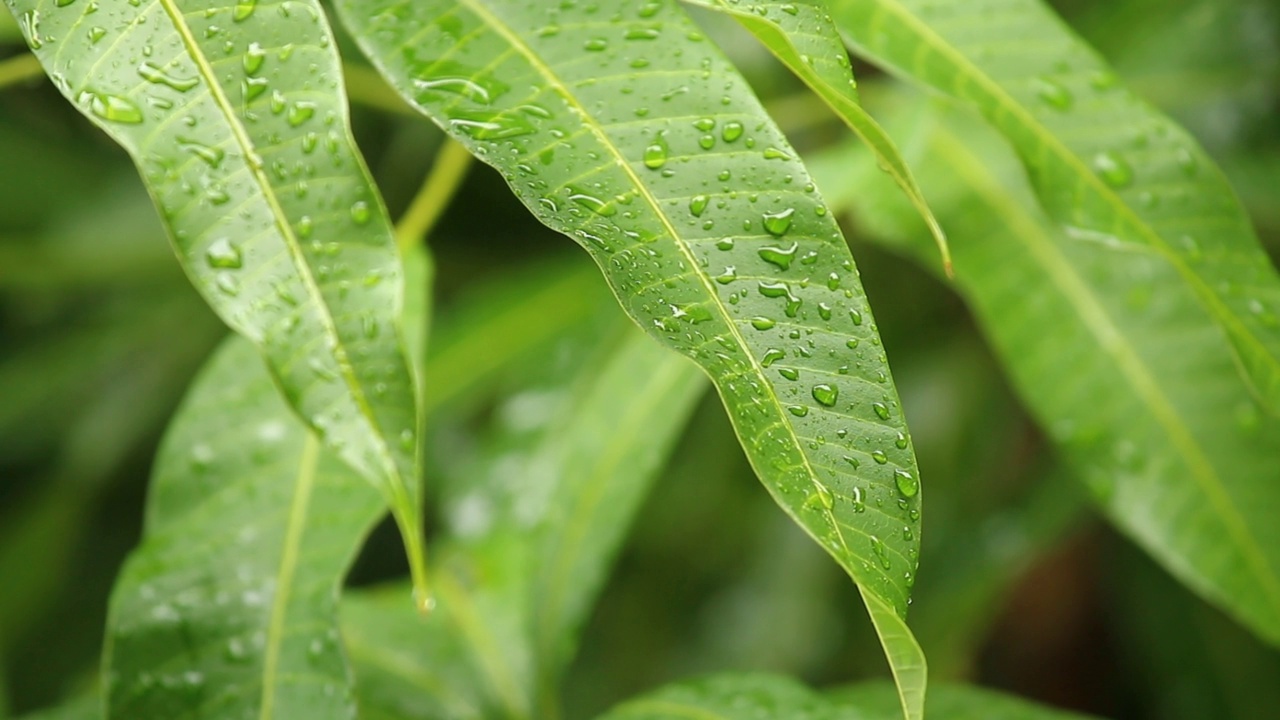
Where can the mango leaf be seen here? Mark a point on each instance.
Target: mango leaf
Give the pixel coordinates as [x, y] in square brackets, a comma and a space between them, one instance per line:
[1134, 381]
[528, 539]
[802, 36]
[236, 118]
[774, 697]
[1107, 168]
[625, 129]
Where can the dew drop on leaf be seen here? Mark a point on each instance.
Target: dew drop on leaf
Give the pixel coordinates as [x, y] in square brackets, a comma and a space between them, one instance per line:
[879, 457]
[732, 131]
[778, 223]
[1113, 170]
[1054, 94]
[780, 257]
[224, 255]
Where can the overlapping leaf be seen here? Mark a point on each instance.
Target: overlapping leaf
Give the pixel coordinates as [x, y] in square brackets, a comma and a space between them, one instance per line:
[531, 529]
[1123, 367]
[236, 118]
[624, 128]
[802, 35]
[1106, 167]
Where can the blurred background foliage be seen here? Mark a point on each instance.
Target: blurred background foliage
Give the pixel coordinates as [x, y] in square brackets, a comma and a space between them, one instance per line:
[1021, 586]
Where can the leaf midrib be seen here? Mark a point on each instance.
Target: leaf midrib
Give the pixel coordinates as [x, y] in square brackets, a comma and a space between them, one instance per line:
[249, 159]
[1117, 345]
[1048, 140]
[588, 121]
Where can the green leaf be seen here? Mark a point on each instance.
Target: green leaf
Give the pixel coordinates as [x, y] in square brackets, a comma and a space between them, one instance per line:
[802, 36]
[236, 118]
[1135, 381]
[1109, 169]
[729, 697]
[84, 707]
[522, 560]
[628, 131]
[229, 607]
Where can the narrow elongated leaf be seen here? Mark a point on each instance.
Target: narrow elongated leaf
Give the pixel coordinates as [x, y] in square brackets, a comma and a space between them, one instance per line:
[236, 118]
[228, 609]
[625, 129]
[1107, 167]
[530, 532]
[1124, 368]
[802, 35]
[729, 697]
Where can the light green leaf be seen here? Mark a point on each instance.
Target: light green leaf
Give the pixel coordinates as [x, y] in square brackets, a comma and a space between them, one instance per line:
[628, 131]
[802, 35]
[1121, 364]
[84, 707]
[730, 697]
[229, 607]
[236, 118]
[1109, 169]
[530, 531]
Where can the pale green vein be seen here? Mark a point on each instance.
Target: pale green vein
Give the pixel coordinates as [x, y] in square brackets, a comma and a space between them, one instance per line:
[1074, 288]
[303, 484]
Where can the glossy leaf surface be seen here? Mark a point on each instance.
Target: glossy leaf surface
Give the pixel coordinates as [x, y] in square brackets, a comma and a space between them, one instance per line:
[1108, 169]
[802, 36]
[625, 129]
[1123, 367]
[236, 118]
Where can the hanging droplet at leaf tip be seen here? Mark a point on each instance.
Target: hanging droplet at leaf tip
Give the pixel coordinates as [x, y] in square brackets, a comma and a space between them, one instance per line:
[424, 601]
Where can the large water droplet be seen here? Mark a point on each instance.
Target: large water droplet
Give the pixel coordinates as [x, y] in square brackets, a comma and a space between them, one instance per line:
[798, 410]
[243, 10]
[224, 255]
[732, 131]
[826, 394]
[762, 323]
[112, 108]
[655, 154]
[882, 410]
[1054, 94]
[771, 356]
[253, 58]
[781, 290]
[592, 203]
[212, 156]
[781, 257]
[154, 74]
[821, 497]
[906, 482]
[360, 212]
[778, 223]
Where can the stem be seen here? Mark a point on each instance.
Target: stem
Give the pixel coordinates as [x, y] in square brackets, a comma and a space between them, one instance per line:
[428, 205]
[19, 69]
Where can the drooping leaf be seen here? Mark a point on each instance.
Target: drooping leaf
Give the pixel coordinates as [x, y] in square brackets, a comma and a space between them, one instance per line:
[530, 531]
[727, 697]
[1122, 366]
[625, 129]
[1107, 168]
[802, 35]
[236, 118]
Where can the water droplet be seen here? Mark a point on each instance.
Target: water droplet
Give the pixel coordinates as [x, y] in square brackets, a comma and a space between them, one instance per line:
[732, 131]
[781, 257]
[224, 255]
[243, 9]
[781, 290]
[771, 356]
[877, 547]
[645, 33]
[596, 45]
[729, 275]
[154, 74]
[360, 212]
[826, 394]
[855, 316]
[698, 204]
[112, 108]
[1053, 93]
[212, 156]
[906, 482]
[775, 154]
[901, 442]
[789, 373]
[724, 244]
[762, 323]
[879, 457]
[253, 58]
[1113, 170]
[798, 410]
[778, 223]
[655, 154]
[592, 203]
[301, 112]
[96, 34]
[882, 410]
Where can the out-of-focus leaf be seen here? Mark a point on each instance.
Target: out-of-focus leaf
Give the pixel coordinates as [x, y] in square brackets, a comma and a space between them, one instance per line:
[626, 130]
[229, 606]
[802, 36]
[1122, 366]
[85, 707]
[1107, 168]
[729, 697]
[530, 533]
[237, 121]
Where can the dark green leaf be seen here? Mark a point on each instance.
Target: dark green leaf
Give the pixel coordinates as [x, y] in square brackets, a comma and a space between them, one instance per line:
[624, 128]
